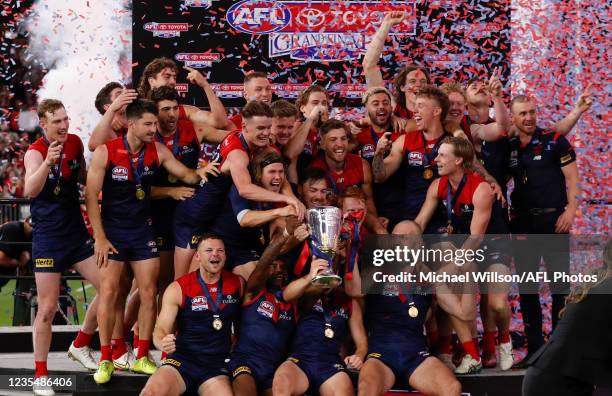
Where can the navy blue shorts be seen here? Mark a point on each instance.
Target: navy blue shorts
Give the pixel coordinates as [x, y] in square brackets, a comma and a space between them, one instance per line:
[133, 245]
[261, 370]
[318, 369]
[53, 254]
[194, 216]
[401, 357]
[238, 255]
[196, 372]
[499, 251]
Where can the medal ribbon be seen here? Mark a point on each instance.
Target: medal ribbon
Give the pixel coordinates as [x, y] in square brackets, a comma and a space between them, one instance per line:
[451, 198]
[175, 141]
[327, 314]
[137, 173]
[301, 261]
[403, 297]
[216, 305]
[354, 243]
[434, 150]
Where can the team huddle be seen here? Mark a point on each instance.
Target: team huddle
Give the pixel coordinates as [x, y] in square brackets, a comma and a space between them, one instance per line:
[207, 213]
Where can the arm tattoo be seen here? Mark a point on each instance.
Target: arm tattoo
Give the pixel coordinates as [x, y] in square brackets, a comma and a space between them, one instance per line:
[378, 167]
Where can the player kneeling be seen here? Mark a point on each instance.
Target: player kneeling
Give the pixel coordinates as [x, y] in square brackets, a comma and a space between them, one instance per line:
[204, 304]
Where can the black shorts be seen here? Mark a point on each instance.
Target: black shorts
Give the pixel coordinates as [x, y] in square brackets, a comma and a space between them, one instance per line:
[317, 369]
[196, 372]
[260, 369]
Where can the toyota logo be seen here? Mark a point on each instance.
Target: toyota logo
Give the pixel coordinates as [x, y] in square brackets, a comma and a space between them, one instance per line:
[310, 17]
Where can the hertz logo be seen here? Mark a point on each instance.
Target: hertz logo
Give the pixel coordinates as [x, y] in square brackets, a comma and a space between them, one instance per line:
[172, 362]
[44, 262]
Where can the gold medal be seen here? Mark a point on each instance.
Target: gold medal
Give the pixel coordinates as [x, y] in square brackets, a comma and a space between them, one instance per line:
[449, 229]
[140, 194]
[217, 324]
[57, 190]
[413, 311]
[329, 332]
[427, 173]
[172, 179]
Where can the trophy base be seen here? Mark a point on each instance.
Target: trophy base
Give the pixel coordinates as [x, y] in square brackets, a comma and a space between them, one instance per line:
[327, 281]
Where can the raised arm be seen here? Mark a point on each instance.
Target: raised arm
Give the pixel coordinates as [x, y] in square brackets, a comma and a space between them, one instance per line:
[217, 117]
[502, 124]
[296, 145]
[258, 277]
[163, 334]
[103, 132]
[300, 286]
[583, 104]
[376, 46]
[372, 221]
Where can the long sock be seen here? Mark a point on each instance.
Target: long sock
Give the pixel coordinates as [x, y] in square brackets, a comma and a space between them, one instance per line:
[476, 344]
[470, 347]
[163, 356]
[136, 341]
[118, 347]
[82, 339]
[504, 336]
[106, 352]
[445, 344]
[143, 348]
[40, 368]
[488, 342]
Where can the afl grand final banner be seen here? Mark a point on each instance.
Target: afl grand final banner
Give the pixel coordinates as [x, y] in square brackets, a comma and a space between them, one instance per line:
[299, 43]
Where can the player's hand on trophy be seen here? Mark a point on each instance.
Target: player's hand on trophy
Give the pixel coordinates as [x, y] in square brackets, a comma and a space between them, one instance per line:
[195, 77]
[317, 266]
[168, 344]
[53, 153]
[393, 18]
[181, 193]
[301, 232]
[211, 169]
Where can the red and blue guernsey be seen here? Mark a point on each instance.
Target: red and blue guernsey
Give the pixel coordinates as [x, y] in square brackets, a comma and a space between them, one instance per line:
[127, 185]
[419, 170]
[388, 194]
[55, 211]
[351, 175]
[195, 215]
[206, 315]
[461, 200]
[394, 321]
[266, 326]
[185, 147]
[319, 335]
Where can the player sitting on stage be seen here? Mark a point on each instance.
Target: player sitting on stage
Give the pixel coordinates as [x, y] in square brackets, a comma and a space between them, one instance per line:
[267, 320]
[203, 306]
[314, 362]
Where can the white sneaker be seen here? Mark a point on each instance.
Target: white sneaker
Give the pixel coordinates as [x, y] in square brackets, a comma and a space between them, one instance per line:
[469, 365]
[83, 356]
[42, 390]
[506, 358]
[126, 361]
[447, 359]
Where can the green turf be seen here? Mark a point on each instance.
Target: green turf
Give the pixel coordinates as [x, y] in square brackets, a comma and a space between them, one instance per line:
[6, 300]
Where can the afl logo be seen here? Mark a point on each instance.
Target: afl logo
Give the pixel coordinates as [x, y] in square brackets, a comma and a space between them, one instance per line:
[259, 17]
[266, 308]
[120, 173]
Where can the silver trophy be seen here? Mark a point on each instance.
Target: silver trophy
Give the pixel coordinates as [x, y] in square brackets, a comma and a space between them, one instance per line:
[325, 224]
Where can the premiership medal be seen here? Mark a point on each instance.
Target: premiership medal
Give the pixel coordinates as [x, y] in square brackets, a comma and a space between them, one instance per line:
[140, 194]
[449, 229]
[329, 332]
[172, 179]
[413, 311]
[217, 324]
[428, 173]
[57, 190]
